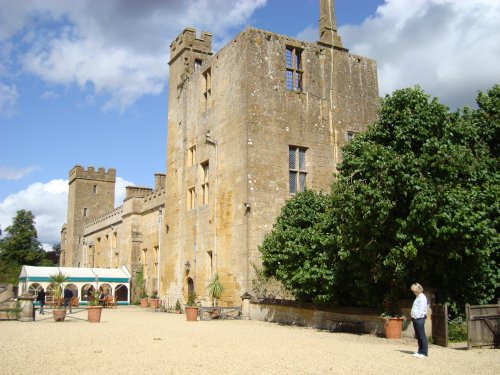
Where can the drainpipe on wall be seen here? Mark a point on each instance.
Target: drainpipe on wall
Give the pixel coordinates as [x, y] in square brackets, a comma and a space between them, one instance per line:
[209, 140]
[160, 221]
[83, 253]
[111, 248]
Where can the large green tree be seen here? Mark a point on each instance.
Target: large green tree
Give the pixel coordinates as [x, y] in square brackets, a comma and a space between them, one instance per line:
[20, 246]
[54, 255]
[417, 199]
[295, 252]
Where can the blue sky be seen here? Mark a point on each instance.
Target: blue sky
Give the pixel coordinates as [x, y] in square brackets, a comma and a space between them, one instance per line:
[85, 82]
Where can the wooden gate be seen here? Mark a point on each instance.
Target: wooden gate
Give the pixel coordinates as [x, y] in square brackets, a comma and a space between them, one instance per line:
[440, 325]
[483, 325]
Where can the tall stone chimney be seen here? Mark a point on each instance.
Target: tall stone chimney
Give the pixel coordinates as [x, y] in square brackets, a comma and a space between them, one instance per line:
[328, 25]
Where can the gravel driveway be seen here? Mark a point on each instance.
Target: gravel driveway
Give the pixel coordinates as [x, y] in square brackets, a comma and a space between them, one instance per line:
[131, 340]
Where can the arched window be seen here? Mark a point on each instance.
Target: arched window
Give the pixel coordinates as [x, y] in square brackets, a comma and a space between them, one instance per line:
[33, 289]
[121, 293]
[107, 289]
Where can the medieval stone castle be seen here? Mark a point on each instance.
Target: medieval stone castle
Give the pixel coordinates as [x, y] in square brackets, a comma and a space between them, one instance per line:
[248, 127]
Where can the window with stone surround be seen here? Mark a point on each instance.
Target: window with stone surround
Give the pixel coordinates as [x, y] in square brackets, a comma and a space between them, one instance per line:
[294, 70]
[297, 168]
[190, 198]
[156, 260]
[204, 183]
[207, 89]
[145, 262]
[85, 212]
[351, 135]
[210, 257]
[192, 155]
[197, 64]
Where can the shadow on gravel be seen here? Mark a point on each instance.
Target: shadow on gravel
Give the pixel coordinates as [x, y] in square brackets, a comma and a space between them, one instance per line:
[406, 351]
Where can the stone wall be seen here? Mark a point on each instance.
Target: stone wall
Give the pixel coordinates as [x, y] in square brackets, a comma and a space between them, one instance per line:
[236, 116]
[291, 313]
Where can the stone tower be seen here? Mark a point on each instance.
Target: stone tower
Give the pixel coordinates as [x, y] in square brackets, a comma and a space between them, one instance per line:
[328, 25]
[249, 127]
[91, 194]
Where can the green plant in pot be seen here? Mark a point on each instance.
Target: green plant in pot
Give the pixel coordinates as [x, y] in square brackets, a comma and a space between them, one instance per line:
[153, 300]
[215, 288]
[143, 297]
[94, 310]
[58, 280]
[392, 318]
[191, 308]
[94, 298]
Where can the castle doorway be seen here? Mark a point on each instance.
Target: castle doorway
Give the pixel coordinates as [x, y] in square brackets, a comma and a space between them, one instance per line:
[190, 285]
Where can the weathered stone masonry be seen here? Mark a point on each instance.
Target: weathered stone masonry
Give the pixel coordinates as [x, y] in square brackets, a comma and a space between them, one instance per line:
[263, 117]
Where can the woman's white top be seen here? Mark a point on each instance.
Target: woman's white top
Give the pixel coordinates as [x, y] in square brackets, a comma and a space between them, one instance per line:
[419, 308]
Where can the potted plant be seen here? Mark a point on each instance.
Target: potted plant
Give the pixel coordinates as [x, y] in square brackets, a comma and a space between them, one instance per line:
[94, 310]
[58, 280]
[191, 308]
[215, 288]
[392, 319]
[153, 300]
[144, 298]
[178, 308]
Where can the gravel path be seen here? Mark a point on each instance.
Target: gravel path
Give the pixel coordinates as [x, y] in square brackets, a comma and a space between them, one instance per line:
[130, 340]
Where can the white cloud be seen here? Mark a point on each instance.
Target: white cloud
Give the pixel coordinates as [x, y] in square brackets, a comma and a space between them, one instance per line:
[49, 95]
[118, 47]
[449, 47]
[48, 202]
[120, 186]
[8, 99]
[310, 34]
[7, 173]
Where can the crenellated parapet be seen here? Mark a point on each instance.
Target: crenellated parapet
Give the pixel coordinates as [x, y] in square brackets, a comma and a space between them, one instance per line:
[136, 192]
[78, 172]
[111, 217]
[154, 199]
[188, 40]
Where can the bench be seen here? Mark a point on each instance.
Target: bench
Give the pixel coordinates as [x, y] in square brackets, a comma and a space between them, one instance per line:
[345, 325]
[217, 312]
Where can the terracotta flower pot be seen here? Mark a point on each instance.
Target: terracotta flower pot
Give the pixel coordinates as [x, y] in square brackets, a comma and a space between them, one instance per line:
[393, 328]
[59, 314]
[153, 302]
[144, 302]
[191, 313]
[94, 314]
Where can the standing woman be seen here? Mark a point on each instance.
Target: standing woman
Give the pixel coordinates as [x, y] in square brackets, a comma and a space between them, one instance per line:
[41, 298]
[418, 316]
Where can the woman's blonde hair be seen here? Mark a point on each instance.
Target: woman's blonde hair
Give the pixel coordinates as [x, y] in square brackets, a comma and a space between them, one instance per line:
[417, 288]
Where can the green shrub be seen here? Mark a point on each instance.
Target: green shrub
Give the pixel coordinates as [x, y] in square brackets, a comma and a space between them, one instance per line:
[457, 330]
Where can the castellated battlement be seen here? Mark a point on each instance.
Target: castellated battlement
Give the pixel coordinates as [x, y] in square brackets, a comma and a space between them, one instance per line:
[136, 192]
[187, 40]
[78, 172]
[111, 217]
